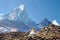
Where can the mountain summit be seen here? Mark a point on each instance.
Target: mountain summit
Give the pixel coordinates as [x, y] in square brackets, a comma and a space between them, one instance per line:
[19, 18]
[55, 22]
[19, 14]
[22, 7]
[45, 22]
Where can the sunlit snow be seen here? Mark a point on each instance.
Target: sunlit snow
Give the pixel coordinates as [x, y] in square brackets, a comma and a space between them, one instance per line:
[21, 7]
[55, 22]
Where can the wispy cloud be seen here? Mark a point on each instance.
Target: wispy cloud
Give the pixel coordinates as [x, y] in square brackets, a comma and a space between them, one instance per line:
[1, 14]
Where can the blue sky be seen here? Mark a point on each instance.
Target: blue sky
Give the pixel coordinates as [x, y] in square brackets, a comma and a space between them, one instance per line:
[36, 9]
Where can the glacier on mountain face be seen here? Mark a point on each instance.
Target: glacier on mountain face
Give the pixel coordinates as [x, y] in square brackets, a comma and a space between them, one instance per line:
[19, 18]
[20, 15]
[17, 15]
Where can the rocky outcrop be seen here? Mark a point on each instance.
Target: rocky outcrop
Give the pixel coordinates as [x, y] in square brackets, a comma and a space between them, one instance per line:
[50, 32]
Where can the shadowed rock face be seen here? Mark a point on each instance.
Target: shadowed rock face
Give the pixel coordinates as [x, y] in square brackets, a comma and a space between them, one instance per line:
[20, 14]
[44, 23]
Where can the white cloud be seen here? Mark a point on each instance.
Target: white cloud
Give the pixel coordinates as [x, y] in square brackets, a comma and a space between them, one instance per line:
[2, 29]
[1, 14]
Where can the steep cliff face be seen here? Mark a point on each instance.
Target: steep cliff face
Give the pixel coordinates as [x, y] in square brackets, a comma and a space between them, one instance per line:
[19, 19]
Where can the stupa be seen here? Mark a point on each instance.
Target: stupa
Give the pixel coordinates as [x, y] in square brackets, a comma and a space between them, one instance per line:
[32, 32]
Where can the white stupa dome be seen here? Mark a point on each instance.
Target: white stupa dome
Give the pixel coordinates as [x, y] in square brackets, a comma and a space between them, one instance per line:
[32, 33]
[13, 30]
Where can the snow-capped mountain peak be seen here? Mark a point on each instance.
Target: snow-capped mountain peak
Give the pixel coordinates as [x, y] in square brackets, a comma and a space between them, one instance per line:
[19, 14]
[21, 7]
[45, 22]
[55, 22]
